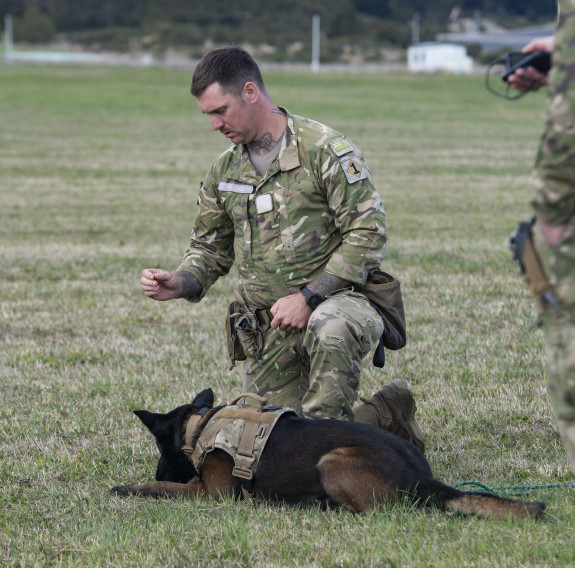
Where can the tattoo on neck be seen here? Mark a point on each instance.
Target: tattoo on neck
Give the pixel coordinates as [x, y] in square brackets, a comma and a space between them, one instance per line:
[264, 144]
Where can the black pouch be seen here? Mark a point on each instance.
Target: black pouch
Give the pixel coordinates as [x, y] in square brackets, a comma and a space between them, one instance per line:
[523, 248]
[384, 292]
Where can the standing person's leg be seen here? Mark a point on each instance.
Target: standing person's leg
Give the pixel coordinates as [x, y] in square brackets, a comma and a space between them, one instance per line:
[560, 354]
[559, 327]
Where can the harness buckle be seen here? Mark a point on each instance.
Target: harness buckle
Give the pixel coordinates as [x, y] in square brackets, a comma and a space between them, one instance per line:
[242, 472]
[243, 466]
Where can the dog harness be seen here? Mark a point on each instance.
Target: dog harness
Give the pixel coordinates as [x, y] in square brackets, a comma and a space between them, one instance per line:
[239, 430]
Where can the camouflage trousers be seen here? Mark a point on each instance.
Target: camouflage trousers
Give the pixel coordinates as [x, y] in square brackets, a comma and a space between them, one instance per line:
[316, 371]
[559, 326]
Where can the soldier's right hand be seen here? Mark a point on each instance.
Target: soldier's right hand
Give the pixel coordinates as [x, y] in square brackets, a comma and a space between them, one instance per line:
[159, 284]
[530, 79]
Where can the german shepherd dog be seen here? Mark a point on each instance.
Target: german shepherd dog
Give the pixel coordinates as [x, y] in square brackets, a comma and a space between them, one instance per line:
[333, 462]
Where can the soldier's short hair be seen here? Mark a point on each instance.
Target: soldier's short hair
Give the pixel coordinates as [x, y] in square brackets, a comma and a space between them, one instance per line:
[231, 67]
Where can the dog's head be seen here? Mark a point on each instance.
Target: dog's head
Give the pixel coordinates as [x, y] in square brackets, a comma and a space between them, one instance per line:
[167, 430]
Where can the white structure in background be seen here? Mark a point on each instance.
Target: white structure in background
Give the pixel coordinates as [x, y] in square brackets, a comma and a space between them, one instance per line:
[438, 58]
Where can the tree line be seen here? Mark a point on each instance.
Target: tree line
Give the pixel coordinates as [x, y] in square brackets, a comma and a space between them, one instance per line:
[284, 25]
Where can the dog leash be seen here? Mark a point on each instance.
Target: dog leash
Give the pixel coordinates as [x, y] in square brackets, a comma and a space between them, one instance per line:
[513, 490]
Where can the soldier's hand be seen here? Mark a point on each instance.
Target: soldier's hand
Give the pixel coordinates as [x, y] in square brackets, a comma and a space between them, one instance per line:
[290, 313]
[553, 233]
[530, 78]
[546, 43]
[160, 285]
[527, 79]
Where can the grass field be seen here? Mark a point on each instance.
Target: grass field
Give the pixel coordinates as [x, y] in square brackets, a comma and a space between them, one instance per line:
[99, 170]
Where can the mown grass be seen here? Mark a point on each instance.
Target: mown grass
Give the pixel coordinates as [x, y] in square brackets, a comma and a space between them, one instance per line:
[99, 175]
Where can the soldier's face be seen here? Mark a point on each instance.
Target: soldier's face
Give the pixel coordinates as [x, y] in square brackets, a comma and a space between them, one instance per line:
[229, 114]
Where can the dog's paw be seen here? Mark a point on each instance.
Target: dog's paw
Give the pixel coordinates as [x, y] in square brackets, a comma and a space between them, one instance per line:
[121, 490]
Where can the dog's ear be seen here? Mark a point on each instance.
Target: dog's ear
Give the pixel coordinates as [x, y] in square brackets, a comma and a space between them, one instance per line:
[150, 419]
[205, 398]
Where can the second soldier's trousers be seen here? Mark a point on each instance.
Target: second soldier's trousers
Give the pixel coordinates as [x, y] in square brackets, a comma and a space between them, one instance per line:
[559, 326]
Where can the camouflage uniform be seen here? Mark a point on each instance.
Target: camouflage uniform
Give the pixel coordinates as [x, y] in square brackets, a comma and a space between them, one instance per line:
[315, 209]
[555, 205]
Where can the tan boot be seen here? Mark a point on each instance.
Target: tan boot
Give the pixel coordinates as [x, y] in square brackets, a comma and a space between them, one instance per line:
[393, 409]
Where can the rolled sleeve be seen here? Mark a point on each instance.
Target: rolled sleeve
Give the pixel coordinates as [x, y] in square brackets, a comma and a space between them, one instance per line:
[210, 254]
[360, 217]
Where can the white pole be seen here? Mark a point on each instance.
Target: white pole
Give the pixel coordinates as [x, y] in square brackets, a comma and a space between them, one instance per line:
[477, 20]
[8, 39]
[415, 29]
[315, 28]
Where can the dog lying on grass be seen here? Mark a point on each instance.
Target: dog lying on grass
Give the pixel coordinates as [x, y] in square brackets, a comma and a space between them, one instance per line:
[333, 462]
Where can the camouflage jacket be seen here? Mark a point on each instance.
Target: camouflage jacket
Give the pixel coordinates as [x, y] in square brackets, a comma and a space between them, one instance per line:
[316, 209]
[555, 163]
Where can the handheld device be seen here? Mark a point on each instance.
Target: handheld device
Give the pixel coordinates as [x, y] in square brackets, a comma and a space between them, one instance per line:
[540, 60]
[507, 65]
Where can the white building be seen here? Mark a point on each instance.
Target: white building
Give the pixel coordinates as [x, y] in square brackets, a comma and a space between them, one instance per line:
[438, 58]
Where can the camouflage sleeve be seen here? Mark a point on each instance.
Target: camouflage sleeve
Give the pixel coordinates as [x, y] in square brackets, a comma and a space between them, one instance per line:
[555, 162]
[358, 214]
[210, 254]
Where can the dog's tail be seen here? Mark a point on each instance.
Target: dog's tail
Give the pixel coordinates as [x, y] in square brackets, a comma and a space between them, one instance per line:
[452, 500]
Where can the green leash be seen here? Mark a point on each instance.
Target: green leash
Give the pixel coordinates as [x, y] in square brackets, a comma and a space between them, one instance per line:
[510, 489]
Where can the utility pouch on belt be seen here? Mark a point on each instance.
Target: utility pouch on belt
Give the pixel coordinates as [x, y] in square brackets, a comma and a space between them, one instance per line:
[521, 243]
[235, 349]
[384, 292]
[244, 332]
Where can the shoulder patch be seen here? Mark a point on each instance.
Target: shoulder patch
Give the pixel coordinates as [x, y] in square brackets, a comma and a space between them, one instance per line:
[354, 169]
[341, 146]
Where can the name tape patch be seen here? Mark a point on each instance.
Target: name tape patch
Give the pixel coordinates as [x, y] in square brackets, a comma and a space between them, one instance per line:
[235, 187]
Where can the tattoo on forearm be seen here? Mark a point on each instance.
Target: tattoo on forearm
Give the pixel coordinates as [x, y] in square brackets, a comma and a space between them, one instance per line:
[190, 285]
[326, 283]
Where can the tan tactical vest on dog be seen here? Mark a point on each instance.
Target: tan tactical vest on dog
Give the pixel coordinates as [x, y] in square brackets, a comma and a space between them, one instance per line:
[239, 430]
